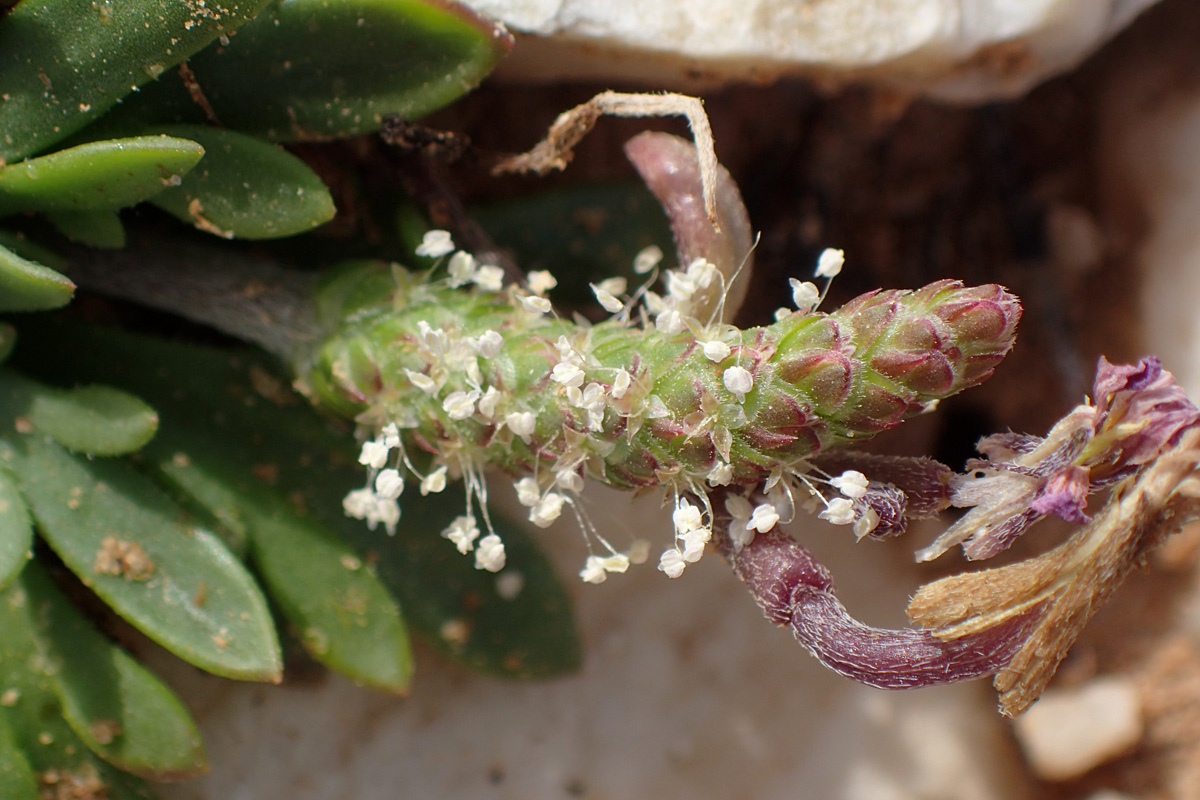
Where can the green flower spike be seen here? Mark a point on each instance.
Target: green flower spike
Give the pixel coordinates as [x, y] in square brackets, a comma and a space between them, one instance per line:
[489, 377]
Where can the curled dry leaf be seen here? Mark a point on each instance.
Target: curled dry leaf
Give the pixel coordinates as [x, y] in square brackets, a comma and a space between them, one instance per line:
[1066, 586]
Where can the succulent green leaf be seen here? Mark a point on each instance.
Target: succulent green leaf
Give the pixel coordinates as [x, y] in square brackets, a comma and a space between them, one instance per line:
[64, 63]
[98, 420]
[23, 246]
[101, 228]
[17, 781]
[32, 711]
[313, 463]
[104, 175]
[123, 712]
[126, 540]
[246, 188]
[8, 338]
[338, 608]
[327, 70]
[16, 530]
[175, 582]
[462, 609]
[597, 228]
[28, 286]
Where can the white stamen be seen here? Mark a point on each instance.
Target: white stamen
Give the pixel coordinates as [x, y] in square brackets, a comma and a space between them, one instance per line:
[830, 262]
[463, 532]
[805, 294]
[435, 244]
[672, 563]
[374, 454]
[534, 304]
[647, 259]
[434, 482]
[490, 343]
[490, 553]
[528, 492]
[490, 278]
[839, 511]
[389, 484]
[739, 381]
[764, 518]
[548, 509]
[716, 351]
[541, 282]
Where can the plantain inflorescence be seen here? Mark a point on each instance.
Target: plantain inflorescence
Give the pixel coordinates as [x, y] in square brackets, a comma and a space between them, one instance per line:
[451, 373]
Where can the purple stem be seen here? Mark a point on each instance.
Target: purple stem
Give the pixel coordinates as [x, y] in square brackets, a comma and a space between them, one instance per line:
[796, 590]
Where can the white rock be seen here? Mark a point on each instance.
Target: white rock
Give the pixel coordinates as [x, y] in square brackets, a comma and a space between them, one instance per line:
[1069, 731]
[963, 50]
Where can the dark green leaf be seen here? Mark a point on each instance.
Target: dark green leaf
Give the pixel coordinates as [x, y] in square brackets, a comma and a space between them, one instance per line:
[30, 704]
[327, 70]
[175, 582]
[116, 706]
[92, 228]
[530, 636]
[8, 338]
[338, 608]
[97, 420]
[138, 551]
[440, 590]
[30, 250]
[16, 530]
[28, 286]
[63, 63]
[595, 228]
[104, 175]
[246, 188]
[17, 781]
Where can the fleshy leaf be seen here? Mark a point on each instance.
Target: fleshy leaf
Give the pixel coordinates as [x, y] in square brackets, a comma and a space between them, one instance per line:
[121, 711]
[225, 466]
[28, 286]
[16, 530]
[440, 591]
[138, 551]
[32, 709]
[17, 781]
[597, 228]
[246, 188]
[329, 70]
[97, 420]
[175, 582]
[64, 63]
[8, 338]
[104, 175]
[340, 611]
[100, 228]
[531, 635]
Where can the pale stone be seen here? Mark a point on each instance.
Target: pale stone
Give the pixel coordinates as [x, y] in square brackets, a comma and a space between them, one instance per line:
[1071, 731]
[963, 50]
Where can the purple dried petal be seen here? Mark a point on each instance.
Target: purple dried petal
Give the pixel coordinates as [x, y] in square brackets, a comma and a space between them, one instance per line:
[1064, 495]
[1006, 446]
[793, 588]
[1113, 378]
[1147, 399]
[987, 542]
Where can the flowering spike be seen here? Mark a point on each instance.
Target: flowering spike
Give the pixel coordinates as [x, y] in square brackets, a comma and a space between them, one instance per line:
[636, 407]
